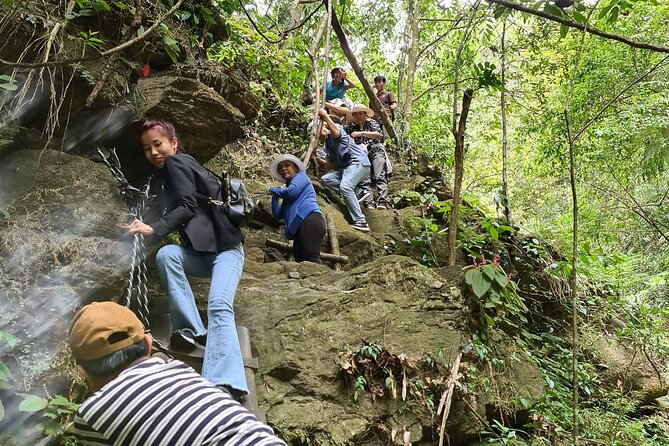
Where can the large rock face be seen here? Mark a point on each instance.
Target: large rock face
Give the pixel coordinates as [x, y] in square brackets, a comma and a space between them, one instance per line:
[206, 120]
[61, 247]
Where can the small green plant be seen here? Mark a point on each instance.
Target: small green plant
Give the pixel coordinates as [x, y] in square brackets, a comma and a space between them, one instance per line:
[91, 40]
[501, 300]
[370, 350]
[170, 44]
[495, 229]
[502, 434]
[359, 384]
[58, 411]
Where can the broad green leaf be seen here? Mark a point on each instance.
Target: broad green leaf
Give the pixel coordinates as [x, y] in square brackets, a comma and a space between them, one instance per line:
[605, 11]
[168, 40]
[5, 374]
[31, 403]
[563, 31]
[614, 14]
[493, 233]
[489, 271]
[481, 285]
[470, 274]
[499, 11]
[101, 6]
[60, 400]
[501, 278]
[553, 10]
[580, 18]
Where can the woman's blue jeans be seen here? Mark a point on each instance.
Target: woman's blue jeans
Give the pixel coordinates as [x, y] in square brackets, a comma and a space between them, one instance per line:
[345, 181]
[223, 362]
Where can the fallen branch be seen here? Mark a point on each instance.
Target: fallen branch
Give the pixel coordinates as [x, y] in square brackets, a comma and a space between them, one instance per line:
[332, 237]
[447, 397]
[288, 247]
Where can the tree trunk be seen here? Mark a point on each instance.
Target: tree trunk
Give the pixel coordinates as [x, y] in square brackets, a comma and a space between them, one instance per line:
[373, 100]
[458, 131]
[411, 57]
[318, 100]
[505, 190]
[459, 173]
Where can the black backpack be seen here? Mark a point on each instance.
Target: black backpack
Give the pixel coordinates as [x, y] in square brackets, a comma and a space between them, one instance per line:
[236, 200]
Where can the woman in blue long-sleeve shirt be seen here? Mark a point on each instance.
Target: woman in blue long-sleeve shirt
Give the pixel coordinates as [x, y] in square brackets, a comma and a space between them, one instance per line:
[296, 204]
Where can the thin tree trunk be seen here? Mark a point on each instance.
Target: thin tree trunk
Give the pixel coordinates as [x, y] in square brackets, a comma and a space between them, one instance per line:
[458, 131]
[574, 244]
[316, 128]
[411, 47]
[505, 160]
[373, 100]
[459, 173]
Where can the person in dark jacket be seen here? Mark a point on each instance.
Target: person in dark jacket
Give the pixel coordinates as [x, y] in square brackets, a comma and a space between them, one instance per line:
[296, 204]
[213, 248]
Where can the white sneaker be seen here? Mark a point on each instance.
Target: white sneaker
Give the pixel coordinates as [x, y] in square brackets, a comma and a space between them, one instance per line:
[362, 227]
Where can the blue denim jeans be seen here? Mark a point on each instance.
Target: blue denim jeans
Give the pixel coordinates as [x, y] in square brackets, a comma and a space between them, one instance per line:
[223, 362]
[345, 181]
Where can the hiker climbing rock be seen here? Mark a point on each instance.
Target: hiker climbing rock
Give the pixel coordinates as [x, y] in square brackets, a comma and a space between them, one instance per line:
[144, 400]
[296, 204]
[339, 107]
[213, 248]
[349, 165]
[367, 133]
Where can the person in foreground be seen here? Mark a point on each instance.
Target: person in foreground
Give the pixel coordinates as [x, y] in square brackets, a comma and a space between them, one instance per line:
[213, 248]
[147, 401]
[296, 204]
[349, 166]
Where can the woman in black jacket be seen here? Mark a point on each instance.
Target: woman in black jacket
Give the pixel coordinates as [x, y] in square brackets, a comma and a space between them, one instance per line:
[212, 248]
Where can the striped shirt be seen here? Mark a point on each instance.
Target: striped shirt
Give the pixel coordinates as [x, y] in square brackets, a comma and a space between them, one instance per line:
[154, 402]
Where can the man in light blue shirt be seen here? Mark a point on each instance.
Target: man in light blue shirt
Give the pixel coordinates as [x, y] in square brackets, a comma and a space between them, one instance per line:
[349, 165]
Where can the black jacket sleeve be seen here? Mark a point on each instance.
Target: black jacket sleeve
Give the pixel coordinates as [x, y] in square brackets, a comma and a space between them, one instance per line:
[181, 190]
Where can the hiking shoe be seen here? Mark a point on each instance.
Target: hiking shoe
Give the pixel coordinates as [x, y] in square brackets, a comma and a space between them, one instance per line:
[370, 205]
[364, 197]
[381, 206]
[362, 227]
[182, 339]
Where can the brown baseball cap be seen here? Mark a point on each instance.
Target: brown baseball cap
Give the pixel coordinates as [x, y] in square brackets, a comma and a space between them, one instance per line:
[102, 328]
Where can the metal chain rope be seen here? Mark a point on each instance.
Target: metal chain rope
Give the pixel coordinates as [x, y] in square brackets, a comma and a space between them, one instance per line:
[138, 201]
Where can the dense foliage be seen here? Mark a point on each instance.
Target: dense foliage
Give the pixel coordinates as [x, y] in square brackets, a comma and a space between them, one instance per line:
[610, 96]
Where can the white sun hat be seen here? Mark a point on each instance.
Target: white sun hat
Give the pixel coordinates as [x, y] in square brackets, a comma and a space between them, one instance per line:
[359, 108]
[274, 167]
